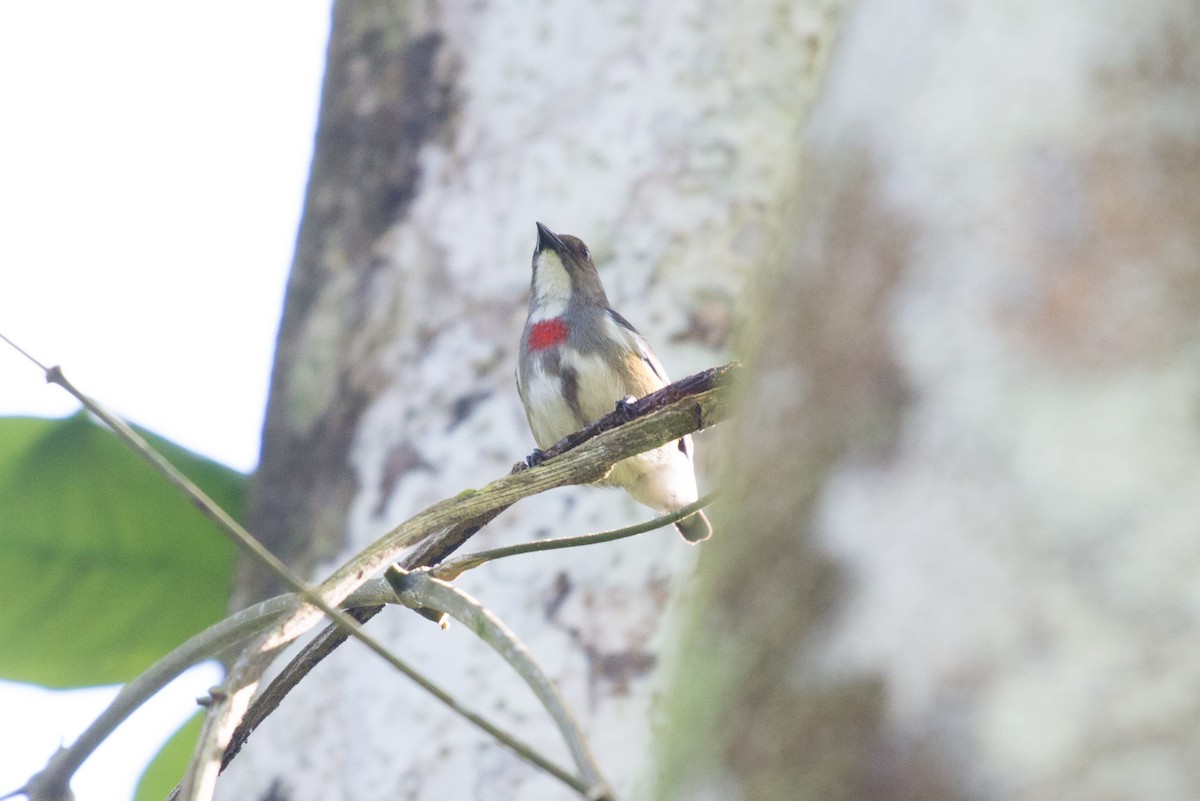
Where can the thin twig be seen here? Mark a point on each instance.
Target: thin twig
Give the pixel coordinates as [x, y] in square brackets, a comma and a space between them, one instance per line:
[579, 471]
[453, 568]
[684, 407]
[24, 353]
[213, 511]
[420, 590]
[231, 528]
[55, 778]
[222, 519]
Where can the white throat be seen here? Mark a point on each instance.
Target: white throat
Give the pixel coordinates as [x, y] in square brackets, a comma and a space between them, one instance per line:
[551, 287]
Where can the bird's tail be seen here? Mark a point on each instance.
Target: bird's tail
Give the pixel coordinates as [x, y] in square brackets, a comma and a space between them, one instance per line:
[694, 528]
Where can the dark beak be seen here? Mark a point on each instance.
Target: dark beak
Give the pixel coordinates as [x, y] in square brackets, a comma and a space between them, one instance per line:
[548, 239]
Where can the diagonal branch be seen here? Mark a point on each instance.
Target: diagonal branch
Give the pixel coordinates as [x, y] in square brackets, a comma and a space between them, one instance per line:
[686, 406]
[419, 589]
[218, 516]
[583, 457]
[453, 568]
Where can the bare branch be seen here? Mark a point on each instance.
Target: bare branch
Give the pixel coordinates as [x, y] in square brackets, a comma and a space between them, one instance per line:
[644, 424]
[453, 568]
[209, 764]
[419, 590]
[220, 518]
[53, 781]
[684, 407]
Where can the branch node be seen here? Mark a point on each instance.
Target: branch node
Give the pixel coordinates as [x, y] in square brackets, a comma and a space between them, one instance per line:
[399, 578]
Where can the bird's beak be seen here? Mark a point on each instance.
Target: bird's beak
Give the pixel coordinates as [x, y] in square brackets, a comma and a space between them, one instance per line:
[548, 239]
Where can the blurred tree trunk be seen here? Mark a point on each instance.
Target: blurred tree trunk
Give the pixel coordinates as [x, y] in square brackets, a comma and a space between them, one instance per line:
[963, 558]
[661, 133]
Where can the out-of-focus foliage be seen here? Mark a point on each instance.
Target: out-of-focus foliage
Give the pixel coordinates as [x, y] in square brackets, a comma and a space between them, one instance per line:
[167, 768]
[103, 566]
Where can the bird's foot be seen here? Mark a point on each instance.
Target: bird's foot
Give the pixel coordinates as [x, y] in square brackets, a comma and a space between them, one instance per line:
[624, 408]
[535, 458]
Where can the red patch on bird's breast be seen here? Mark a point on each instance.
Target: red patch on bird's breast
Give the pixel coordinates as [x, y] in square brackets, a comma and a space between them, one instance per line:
[547, 334]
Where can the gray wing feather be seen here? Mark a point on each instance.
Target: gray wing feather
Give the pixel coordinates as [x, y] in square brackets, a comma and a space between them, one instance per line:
[643, 346]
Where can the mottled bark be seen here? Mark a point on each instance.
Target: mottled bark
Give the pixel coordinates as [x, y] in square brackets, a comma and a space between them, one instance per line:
[383, 99]
[962, 562]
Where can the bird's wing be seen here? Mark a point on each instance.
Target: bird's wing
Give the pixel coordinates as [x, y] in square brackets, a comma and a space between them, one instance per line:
[638, 343]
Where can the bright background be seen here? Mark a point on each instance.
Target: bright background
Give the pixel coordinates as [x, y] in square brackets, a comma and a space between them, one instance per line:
[153, 159]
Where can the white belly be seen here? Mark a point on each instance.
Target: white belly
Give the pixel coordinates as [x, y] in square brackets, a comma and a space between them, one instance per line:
[662, 479]
[550, 417]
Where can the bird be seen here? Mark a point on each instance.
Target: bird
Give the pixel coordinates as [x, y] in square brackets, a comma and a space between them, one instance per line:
[579, 360]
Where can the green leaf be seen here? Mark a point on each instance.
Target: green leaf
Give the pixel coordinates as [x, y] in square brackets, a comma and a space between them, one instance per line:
[103, 566]
[168, 765]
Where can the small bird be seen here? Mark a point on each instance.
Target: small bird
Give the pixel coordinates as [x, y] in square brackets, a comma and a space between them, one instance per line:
[579, 359]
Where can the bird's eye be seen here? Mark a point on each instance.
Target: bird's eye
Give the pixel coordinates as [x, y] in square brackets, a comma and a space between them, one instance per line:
[583, 251]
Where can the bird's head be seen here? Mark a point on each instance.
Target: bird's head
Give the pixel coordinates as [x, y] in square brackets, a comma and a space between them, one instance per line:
[563, 270]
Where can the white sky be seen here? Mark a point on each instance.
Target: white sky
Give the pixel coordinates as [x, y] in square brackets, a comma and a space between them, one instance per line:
[153, 158]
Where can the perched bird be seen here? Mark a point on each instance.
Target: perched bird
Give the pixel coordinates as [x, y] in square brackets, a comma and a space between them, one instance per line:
[579, 359]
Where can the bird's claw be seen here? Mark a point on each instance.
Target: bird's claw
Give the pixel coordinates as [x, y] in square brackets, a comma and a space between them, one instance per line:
[624, 408]
[535, 458]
